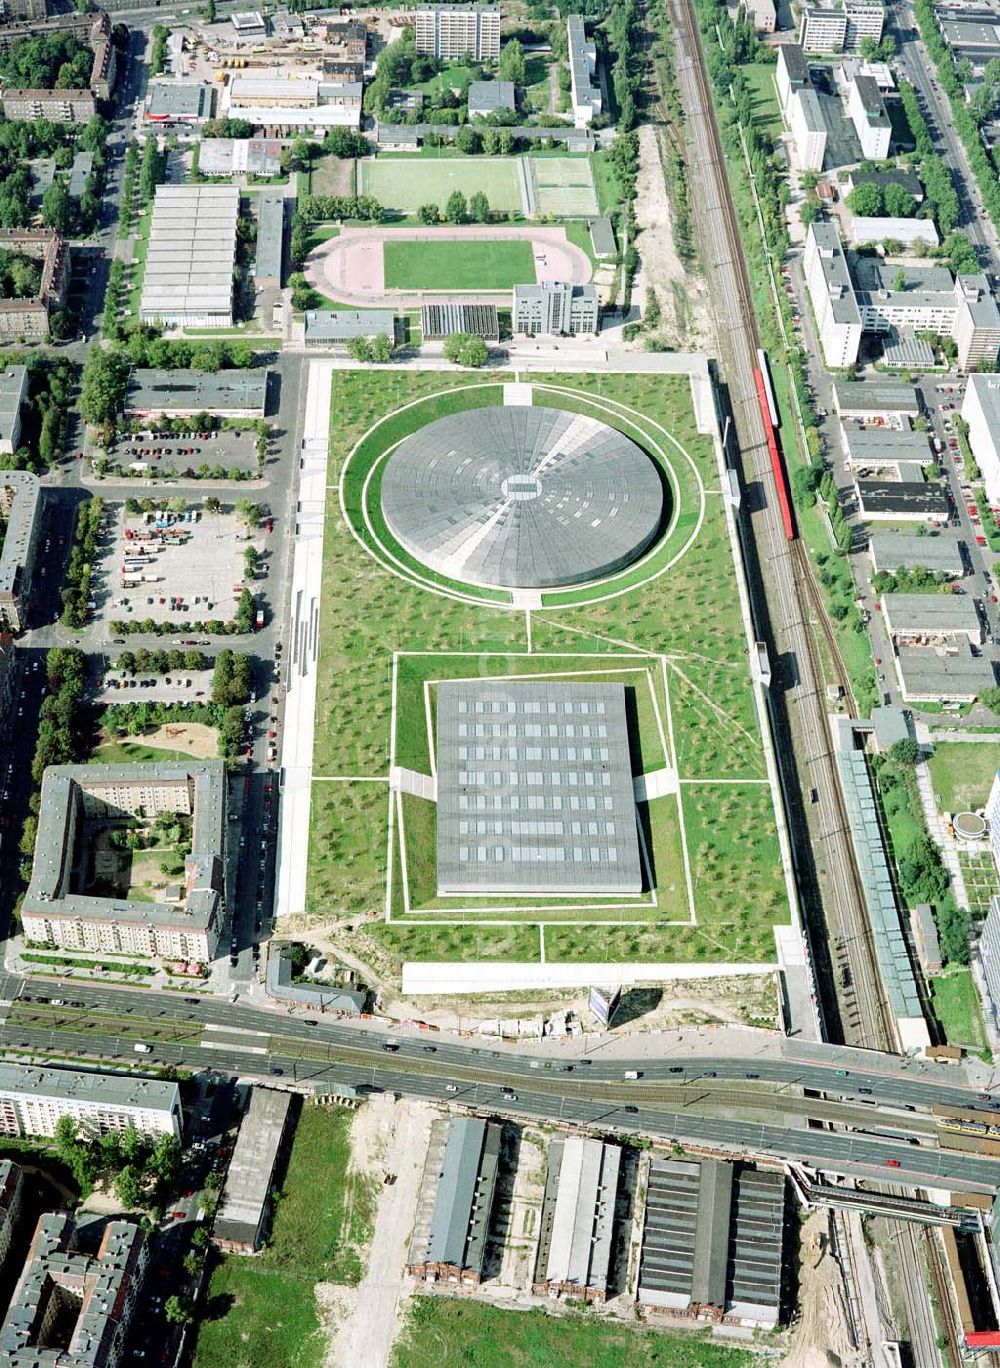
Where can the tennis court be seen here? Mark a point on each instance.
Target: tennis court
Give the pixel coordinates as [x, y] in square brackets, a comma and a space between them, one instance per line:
[403, 184]
[564, 186]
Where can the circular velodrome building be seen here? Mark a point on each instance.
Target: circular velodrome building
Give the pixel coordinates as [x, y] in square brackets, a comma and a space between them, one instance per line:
[522, 497]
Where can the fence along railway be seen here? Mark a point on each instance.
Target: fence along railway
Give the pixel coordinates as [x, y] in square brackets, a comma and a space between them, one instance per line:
[789, 609]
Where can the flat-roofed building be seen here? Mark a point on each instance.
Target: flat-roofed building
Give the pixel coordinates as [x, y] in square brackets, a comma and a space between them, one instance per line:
[585, 92]
[828, 279]
[925, 939]
[277, 92]
[602, 238]
[438, 321]
[33, 1100]
[79, 801]
[449, 32]
[950, 673]
[808, 129]
[491, 97]
[191, 257]
[981, 410]
[170, 101]
[931, 619]
[555, 309]
[13, 392]
[762, 14]
[578, 1219]
[872, 401]
[184, 393]
[270, 239]
[85, 1301]
[249, 24]
[241, 1222]
[11, 1205]
[20, 497]
[712, 1242]
[987, 952]
[868, 114]
[791, 74]
[58, 106]
[906, 180]
[239, 156]
[276, 121]
[560, 817]
[902, 501]
[335, 329]
[883, 448]
[462, 1169]
[840, 28]
[976, 330]
[905, 231]
[893, 551]
[972, 36]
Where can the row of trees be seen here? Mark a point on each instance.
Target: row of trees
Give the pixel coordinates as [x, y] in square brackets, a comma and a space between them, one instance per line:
[321, 208]
[915, 580]
[376, 349]
[76, 591]
[872, 201]
[161, 661]
[43, 420]
[458, 210]
[232, 679]
[934, 171]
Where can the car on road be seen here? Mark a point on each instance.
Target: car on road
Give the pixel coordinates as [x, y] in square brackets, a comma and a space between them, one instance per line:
[390, 1046]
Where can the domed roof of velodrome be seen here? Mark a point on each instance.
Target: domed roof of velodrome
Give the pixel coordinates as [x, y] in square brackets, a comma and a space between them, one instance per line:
[522, 497]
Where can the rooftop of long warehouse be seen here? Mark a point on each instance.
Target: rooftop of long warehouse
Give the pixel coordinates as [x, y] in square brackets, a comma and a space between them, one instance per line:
[191, 255]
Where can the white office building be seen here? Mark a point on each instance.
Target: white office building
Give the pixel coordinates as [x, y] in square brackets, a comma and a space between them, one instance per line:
[762, 14]
[981, 410]
[33, 1100]
[791, 74]
[830, 28]
[828, 279]
[808, 129]
[582, 55]
[867, 111]
[555, 309]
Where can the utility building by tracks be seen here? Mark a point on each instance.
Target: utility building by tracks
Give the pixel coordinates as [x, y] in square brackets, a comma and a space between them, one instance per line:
[461, 1169]
[246, 1200]
[712, 1242]
[578, 1219]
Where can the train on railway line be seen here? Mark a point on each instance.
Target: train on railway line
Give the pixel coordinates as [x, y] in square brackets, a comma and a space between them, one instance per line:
[769, 417]
[966, 1125]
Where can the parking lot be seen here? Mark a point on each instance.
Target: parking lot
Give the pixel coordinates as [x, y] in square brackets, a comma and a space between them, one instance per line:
[181, 687]
[206, 455]
[179, 568]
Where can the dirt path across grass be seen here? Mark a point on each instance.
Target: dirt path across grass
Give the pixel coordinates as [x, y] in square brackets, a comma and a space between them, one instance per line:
[386, 1137]
[680, 293]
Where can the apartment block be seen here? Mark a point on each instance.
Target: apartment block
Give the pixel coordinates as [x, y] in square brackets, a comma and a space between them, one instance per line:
[871, 122]
[586, 92]
[840, 29]
[808, 129]
[828, 279]
[450, 32]
[791, 74]
[20, 494]
[33, 1101]
[981, 410]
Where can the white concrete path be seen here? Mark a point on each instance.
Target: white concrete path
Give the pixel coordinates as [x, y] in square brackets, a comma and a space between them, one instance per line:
[656, 784]
[303, 652]
[483, 977]
[403, 780]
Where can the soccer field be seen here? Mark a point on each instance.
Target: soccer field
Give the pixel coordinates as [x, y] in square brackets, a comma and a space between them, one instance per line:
[478, 265]
[403, 184]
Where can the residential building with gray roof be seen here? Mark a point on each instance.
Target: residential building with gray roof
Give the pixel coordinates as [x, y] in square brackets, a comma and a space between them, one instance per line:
[20, 497]
[93, 1298]
[33, 1100]
[68, 906]
[334, 329]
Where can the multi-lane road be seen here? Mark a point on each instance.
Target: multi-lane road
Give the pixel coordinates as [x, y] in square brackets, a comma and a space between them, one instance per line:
[755, 1104]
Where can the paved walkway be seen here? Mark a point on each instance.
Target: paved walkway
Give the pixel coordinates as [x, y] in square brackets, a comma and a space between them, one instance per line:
[303, 653]
[657, 784]
[412, 781]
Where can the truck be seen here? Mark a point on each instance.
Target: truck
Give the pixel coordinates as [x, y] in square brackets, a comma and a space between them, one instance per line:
[141, 1048]
[633, 1073]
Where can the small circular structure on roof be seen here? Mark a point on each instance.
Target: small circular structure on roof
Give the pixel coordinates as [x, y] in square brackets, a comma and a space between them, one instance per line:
[521, 497]
[969, 826]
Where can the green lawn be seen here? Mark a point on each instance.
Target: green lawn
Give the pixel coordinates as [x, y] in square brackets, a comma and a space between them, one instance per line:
[962, 772]
[442, 1331]
[263, 1311]
[403, 184]
[689, 612]
[473, 265]
[759, 76]
[956, 1007]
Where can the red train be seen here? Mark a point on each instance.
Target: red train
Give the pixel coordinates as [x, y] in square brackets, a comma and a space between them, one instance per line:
[766, 402]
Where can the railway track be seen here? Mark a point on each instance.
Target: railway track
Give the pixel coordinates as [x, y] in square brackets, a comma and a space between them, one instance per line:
[791, 614]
